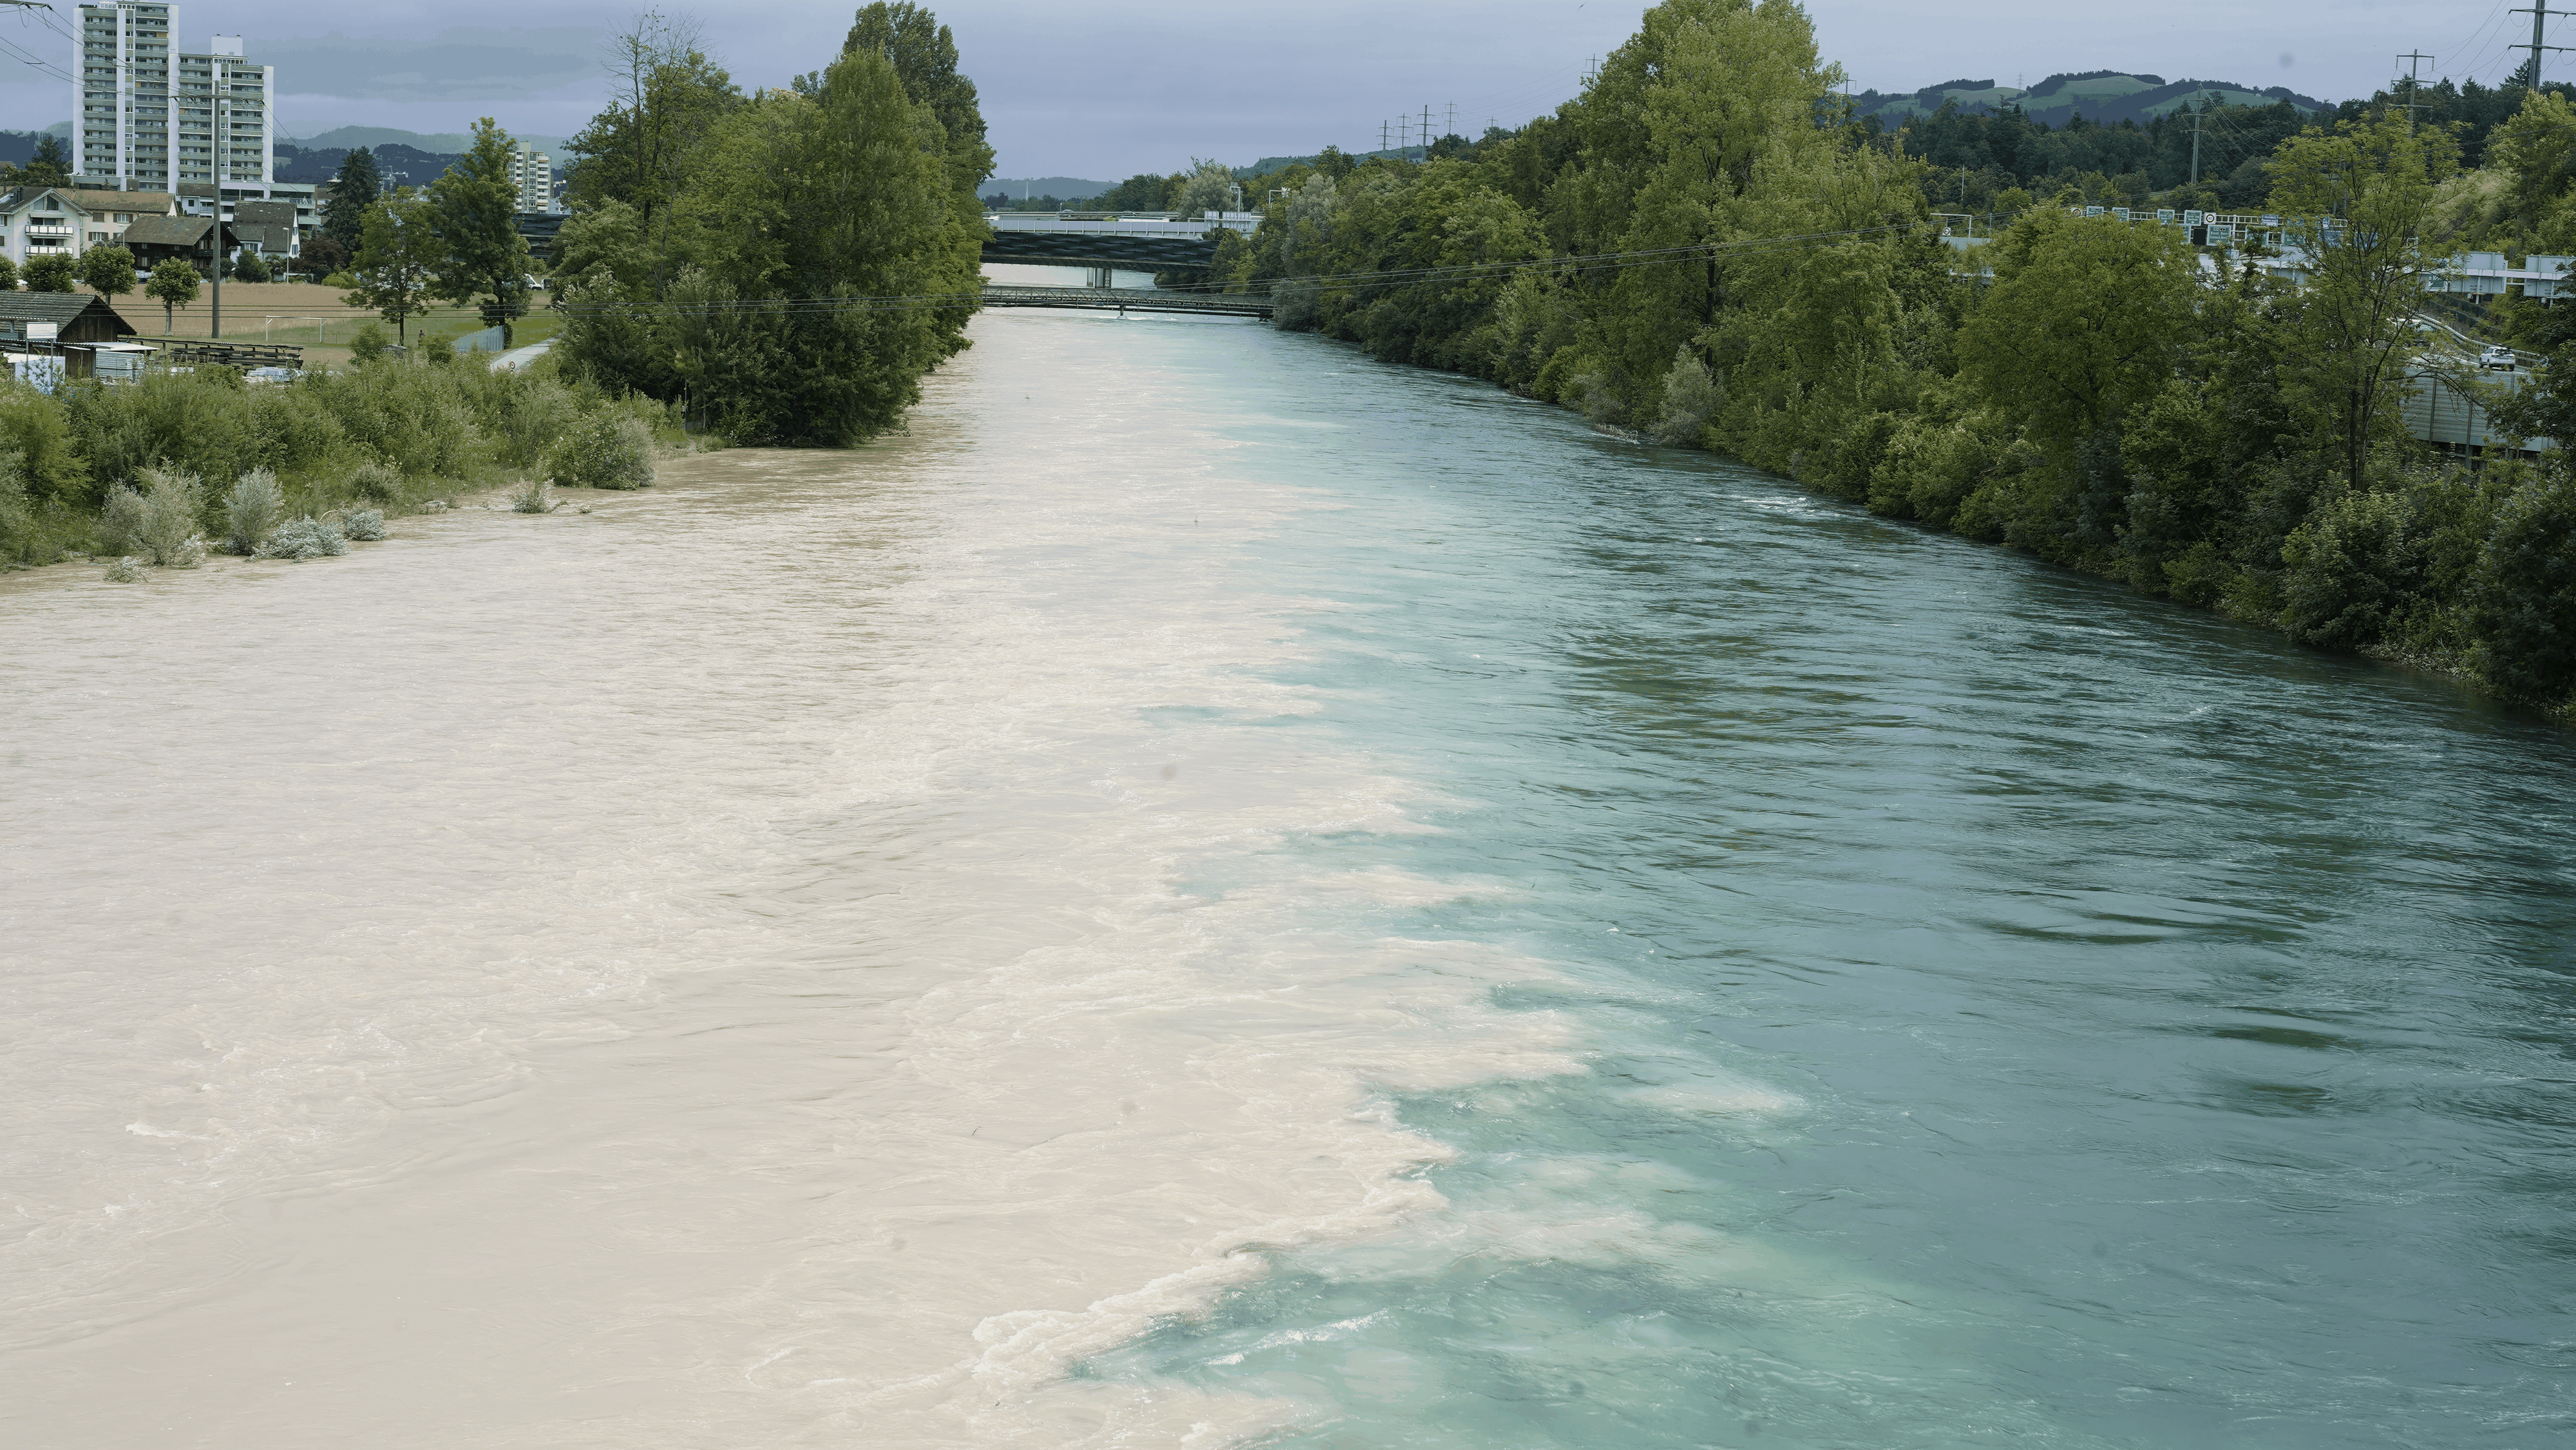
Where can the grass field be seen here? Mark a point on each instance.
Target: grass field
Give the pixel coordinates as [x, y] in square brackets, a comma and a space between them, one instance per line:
[310, 316]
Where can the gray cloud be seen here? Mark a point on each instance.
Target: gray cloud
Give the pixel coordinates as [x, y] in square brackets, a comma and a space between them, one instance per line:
[465, 64]
[1115, 86]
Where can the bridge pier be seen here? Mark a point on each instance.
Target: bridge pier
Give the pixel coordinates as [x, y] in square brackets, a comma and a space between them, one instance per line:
[1098, 277]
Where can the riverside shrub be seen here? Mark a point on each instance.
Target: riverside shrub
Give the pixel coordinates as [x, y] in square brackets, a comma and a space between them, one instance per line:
[390, 436]
[252, 511]
[305, 538]
[607, 450]
[158, 522]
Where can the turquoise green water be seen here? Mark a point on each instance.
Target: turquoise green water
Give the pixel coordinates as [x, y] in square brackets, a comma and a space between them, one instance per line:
[2019, 1012]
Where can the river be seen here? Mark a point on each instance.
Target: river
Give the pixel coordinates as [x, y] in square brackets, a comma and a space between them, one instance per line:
[1213, 890]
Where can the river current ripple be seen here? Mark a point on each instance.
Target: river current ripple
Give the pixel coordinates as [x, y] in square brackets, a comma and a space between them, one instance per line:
[1213, 890]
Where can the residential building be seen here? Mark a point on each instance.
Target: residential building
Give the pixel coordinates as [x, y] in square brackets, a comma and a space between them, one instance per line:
[533, 173]
[268, 228]
[146, 116]
[37, 221]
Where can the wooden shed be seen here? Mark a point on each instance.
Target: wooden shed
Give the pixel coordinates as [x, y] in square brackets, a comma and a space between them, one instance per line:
[81, 320]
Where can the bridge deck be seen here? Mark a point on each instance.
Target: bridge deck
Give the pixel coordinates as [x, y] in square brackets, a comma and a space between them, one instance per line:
[1128, 299]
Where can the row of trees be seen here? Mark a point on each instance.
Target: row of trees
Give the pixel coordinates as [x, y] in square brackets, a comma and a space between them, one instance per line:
[784, 264]
[1699, 249]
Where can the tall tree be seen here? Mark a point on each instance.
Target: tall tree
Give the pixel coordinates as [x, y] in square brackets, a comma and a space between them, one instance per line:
[2358, 198]
[50, 166]
[396, 255]
[353, 190]
[669, 96]
[473, 221]
[925, 60]
[2084, 322]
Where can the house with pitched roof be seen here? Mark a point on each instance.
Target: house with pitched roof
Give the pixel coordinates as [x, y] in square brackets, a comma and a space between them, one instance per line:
[75, 326]
[37, 221]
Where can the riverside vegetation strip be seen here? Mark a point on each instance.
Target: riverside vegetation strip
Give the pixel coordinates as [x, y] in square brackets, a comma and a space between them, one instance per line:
[857, 181]
[2107, 400]
[386, 434]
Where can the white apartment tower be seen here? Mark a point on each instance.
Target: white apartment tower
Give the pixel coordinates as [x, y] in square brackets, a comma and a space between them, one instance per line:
[149, 118]
[533, 173]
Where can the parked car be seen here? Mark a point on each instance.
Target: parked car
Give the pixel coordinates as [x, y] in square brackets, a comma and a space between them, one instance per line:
[2498, 356]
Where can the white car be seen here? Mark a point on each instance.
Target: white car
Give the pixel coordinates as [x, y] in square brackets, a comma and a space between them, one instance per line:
[2498, 356]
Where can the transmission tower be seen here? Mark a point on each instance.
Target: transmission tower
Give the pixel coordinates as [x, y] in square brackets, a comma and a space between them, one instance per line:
[2539, 14]
[2410, 80]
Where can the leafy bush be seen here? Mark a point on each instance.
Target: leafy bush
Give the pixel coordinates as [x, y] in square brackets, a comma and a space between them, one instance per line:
[533, 497]
[2522, 603]
[376, 483]
[123, 571]
[365, 525]
[608, 450]
[2349, 572]
[305, 538]
[159, 524]
[252, 511]
[1691, 398]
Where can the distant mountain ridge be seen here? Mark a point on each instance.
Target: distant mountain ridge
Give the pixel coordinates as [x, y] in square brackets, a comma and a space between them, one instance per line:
[2105, 96]
[445, 143]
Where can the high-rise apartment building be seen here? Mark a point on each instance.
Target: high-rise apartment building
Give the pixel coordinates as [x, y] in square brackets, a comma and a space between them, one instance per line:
[533, 173]
[147, 117]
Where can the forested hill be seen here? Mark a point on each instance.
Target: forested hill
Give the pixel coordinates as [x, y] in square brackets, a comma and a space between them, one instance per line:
[398, 164]
[2100, 96]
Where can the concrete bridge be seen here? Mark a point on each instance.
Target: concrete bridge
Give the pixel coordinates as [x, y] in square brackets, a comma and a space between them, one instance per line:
[1130, 299]
[1102, 242]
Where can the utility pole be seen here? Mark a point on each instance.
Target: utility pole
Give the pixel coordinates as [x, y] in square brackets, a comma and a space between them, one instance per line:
[2195, 147]
[1426, 130]
[2413, 59]
[1381, 138]
[1453, 118]
[2539, 14]
[223, 173]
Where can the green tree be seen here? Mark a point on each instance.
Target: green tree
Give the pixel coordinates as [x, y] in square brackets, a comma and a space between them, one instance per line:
[51, 272]
[249, 266]
[396, 254]
[8, 274]
[799, 204]
[473, 222]
[925, 60]
[107, 271]
[355, 188]
[2358, 198]
[670, 97]
[1143, 191]
[50, 166]
[2084, 322]
[174, 285]
[2523, 603]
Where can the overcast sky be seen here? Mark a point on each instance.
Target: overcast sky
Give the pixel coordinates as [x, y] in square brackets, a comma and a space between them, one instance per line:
[1111, 87]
